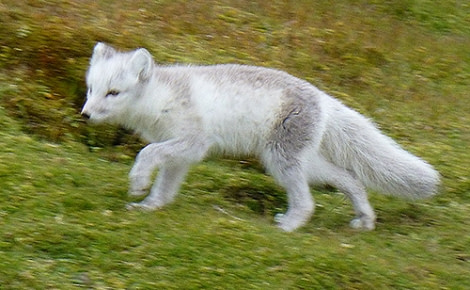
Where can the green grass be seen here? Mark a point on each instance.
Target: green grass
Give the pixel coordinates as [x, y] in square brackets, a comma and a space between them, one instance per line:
[63, 184]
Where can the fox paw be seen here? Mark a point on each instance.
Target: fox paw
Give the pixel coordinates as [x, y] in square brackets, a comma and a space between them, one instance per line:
[289, 222]
[140, 206]
[362, 223]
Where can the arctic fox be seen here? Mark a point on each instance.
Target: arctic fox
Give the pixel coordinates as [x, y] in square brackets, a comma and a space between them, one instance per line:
[300, 134]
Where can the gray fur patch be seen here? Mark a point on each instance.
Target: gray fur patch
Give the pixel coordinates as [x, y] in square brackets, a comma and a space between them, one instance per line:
[245, 75]
[297, 123]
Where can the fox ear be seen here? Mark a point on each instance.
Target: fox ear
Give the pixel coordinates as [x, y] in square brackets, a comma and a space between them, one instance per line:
[142, 64]
[101, 51]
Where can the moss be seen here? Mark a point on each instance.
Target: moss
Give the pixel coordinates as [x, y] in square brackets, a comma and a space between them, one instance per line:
[63, 183]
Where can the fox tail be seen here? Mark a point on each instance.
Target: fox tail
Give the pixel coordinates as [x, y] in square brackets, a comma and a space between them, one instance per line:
[352, 142]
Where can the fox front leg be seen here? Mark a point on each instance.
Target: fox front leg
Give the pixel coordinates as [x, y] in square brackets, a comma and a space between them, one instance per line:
[147, 161]
[141, 174]
[173, 157]
[165, 188]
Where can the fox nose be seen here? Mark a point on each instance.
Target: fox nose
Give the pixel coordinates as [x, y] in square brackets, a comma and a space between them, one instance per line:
[85, 116]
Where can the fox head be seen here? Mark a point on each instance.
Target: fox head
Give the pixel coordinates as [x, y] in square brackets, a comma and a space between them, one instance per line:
[115, 81]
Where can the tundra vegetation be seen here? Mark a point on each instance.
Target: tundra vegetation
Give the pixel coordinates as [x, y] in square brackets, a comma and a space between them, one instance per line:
[63, 184]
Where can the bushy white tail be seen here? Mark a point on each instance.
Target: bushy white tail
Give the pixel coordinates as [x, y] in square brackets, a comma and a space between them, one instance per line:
[354, 143]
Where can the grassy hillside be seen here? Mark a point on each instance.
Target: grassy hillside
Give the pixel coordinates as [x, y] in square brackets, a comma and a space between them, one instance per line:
[63, 184]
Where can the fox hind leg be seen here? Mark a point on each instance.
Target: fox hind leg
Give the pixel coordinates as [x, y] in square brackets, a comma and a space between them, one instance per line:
[300, 200]
[326, 172]
[289, 175]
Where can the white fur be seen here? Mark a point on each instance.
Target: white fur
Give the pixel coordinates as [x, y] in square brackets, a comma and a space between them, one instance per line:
[301, 135]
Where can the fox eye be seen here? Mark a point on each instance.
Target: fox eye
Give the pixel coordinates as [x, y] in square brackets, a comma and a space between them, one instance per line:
[112, 93]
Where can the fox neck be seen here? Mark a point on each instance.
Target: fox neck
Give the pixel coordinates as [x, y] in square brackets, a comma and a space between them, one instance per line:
[144, 115]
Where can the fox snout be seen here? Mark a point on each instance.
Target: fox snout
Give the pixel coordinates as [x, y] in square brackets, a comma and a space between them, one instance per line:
[85, 115]
[88, 111]
[94, 114]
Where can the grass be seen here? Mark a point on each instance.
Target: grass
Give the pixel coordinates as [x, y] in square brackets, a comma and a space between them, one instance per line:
[63, 185]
